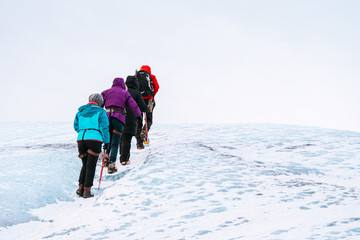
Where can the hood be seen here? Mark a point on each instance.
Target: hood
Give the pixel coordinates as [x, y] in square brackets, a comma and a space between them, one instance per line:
[132, 82]
[119, 82]
[145, 68]
[88, 110]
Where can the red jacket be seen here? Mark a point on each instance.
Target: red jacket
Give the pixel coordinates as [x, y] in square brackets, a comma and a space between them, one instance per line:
[154, 80]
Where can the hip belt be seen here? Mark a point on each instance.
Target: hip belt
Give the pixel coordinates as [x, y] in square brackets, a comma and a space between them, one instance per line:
[116, 110]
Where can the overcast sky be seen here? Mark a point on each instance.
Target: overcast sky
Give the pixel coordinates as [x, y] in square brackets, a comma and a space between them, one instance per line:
[293, 62]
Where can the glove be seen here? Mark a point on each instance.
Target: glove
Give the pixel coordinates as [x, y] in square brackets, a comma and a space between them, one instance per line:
[106, 147]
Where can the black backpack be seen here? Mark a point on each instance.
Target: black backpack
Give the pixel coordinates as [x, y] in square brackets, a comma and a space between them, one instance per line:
[146, 86]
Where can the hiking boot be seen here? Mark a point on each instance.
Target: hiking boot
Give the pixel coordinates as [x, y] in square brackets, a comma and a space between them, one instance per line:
[87, 192]
[107, 161]
[144, 137]
[143, 134]
[125, 163]
[140, 145]
[80, 190]
[112, 168]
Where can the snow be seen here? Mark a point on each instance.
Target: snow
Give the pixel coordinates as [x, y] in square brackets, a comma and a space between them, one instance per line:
[246, 181]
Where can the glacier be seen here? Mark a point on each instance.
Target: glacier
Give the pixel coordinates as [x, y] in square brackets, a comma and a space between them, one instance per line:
[194, 181]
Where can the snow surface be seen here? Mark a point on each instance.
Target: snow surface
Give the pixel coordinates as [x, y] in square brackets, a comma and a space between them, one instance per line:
[249, 181]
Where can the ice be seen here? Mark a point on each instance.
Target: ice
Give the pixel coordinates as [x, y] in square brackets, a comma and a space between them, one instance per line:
[39, 167]
[248, 181]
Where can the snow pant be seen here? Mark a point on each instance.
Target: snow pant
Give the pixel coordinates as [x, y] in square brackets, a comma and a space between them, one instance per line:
[141, 126]
[88, 152]
[125, 146]
[116, 129]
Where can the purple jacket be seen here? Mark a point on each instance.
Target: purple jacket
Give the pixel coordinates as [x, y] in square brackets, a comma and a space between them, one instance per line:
[117, 97]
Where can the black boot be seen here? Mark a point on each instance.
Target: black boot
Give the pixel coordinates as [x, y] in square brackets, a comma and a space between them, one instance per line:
[140, 145]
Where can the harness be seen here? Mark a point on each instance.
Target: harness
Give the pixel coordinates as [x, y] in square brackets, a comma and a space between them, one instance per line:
[82, 139]
[116, 110]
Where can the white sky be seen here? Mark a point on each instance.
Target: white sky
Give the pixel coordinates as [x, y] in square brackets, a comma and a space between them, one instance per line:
[293, 62]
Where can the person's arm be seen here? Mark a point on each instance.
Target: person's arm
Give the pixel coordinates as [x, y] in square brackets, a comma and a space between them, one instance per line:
[132, 105]
[76, 123]
[156, 84]
[104, 126]
[103, 94]
[142, 105]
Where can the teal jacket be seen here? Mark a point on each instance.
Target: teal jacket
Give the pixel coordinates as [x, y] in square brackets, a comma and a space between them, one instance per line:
[91, 123]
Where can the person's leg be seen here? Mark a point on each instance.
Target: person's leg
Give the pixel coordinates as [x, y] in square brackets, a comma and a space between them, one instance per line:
[107, 156]
[93, 151]
[139, 139]
[149, 115]
[111, 127]
[118, 128]
[149, 120]
[125, 146]
[82, 155]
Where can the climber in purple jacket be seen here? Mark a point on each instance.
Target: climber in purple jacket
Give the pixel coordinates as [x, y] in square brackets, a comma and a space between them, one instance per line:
[116, 99]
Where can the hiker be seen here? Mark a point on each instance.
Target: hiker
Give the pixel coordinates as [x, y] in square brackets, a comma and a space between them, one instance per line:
[148, 86]
[116, 99]
[92, 126]
[130, 125]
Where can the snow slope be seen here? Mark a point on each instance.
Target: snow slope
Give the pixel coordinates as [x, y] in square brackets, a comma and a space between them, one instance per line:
[250, 181]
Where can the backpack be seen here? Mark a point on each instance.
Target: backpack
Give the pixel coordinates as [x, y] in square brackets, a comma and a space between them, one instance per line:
[146, 86]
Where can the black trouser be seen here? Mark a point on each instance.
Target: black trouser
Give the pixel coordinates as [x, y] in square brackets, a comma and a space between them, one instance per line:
[88, 149]
[125, 146]
[149, 120]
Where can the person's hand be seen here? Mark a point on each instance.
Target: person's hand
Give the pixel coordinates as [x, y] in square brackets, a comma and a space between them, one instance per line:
[106, 147]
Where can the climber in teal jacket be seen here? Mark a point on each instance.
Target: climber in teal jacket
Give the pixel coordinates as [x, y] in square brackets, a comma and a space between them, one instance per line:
[92, 125]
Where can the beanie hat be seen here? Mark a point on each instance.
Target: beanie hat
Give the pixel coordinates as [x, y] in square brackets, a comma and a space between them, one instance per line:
[96, 97]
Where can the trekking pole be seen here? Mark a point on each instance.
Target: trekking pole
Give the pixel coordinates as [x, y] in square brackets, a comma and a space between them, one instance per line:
[102, 168]
[146, 131]
[150, 105]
